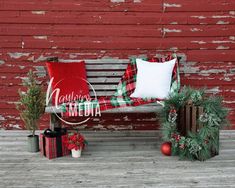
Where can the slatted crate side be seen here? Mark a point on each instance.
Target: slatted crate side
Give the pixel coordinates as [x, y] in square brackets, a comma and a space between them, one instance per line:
[188, 121]
[188, 116]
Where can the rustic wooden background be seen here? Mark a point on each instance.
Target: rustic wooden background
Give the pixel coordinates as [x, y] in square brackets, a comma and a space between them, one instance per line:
[202, 32]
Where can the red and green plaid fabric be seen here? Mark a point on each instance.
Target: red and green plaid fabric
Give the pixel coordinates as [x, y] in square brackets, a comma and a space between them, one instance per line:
[126, 86]
[48, 146]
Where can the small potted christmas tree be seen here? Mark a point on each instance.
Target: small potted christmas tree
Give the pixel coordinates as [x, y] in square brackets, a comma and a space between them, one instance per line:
[31, 106]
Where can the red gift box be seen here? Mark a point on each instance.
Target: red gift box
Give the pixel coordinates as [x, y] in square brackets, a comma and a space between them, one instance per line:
[52, 144]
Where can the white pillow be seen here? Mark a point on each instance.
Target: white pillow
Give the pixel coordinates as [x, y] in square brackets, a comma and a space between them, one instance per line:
[153, 79]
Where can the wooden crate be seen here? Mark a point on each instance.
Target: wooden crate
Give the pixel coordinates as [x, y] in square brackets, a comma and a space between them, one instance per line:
[188, 121]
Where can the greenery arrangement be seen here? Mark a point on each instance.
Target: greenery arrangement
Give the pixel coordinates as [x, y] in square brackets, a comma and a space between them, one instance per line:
[32, 103]
[194, 146]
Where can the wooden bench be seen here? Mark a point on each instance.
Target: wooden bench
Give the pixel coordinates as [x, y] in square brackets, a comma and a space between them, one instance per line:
[104, 75]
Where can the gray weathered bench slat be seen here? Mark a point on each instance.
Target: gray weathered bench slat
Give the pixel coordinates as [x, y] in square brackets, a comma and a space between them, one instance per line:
[104, 87]
[102, 93]
[99, 61]
[105, 67]
[105, 73]
[103, 80]
[154, 107]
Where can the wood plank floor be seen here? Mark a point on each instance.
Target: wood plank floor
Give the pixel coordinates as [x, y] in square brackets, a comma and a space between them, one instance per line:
[114, 159]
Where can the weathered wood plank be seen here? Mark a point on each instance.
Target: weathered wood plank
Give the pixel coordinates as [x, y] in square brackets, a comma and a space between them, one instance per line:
[104, 80]
[39, 24]
[98, 61]
[105, 73]
[114, 67]
[138, 109]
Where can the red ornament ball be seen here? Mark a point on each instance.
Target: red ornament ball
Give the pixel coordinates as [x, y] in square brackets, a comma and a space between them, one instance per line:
[166, 148]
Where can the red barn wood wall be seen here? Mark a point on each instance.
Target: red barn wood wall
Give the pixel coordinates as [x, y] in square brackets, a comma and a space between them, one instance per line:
[202, 31]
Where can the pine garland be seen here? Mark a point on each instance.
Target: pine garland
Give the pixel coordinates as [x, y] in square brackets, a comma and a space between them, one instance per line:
[194, 146]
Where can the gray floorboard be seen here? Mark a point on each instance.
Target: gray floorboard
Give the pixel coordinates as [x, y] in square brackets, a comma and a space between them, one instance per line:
[114, 159]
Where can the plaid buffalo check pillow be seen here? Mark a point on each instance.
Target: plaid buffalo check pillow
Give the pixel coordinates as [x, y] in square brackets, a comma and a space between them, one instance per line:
[125, 88]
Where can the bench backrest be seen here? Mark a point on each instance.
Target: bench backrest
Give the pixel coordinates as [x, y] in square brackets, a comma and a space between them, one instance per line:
[104, 74]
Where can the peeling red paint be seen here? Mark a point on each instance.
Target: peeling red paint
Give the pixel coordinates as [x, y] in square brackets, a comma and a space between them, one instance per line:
[202, 32]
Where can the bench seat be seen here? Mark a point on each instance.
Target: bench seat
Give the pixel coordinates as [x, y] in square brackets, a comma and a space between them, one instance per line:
[147, 108]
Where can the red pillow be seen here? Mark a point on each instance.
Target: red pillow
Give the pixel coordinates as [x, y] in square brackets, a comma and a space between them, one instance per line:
[70, 79]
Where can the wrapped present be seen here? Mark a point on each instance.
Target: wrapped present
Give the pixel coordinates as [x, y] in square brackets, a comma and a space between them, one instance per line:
[52, 143]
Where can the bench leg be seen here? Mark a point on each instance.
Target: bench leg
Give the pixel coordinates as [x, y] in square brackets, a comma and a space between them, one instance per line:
[54, 121]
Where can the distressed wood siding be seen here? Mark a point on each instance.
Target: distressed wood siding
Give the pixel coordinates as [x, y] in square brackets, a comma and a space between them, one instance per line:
[202, 32]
